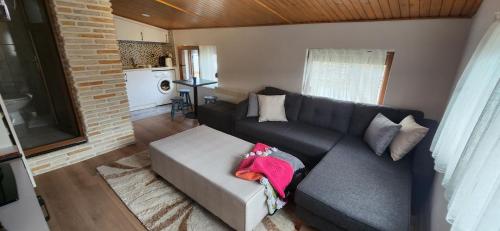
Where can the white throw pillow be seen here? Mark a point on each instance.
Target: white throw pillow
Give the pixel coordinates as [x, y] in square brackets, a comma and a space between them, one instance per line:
[272, 108]
[408, 137]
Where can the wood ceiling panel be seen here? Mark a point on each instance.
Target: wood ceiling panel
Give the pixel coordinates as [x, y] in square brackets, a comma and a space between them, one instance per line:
[395, 8]
[435, 8]
[182, 14]
[425, 8]
[224, 13]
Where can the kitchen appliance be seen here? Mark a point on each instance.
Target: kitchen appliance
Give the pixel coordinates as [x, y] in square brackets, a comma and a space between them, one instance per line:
[162, 61]
[164, 87]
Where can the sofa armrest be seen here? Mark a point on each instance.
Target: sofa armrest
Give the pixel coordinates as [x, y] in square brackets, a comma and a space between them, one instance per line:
[241, 110]
[423, 165]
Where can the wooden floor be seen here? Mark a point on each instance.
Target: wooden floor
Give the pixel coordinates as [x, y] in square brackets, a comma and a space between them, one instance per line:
[79, 199]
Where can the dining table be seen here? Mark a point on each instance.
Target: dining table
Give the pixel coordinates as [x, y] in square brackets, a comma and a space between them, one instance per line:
[195, 83]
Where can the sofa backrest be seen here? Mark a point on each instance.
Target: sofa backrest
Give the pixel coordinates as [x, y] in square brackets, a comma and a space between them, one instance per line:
[326, 113]
[363, 115]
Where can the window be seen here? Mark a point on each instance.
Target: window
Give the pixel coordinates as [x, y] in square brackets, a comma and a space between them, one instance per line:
[351, 75]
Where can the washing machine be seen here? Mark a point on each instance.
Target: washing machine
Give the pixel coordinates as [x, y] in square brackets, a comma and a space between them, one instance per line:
[165, 88]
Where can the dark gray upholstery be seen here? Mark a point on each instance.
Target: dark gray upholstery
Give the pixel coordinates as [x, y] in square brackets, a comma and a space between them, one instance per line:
[326, 113]
[363, 115]
[308, 143]
[219, 115]
[358, 190]
[349, 187]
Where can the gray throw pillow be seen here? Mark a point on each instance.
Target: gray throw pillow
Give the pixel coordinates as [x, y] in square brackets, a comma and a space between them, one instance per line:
[253, 105]
[380, 133]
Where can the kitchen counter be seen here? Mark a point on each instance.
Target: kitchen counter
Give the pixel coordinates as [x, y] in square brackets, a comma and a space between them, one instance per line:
[148, 69]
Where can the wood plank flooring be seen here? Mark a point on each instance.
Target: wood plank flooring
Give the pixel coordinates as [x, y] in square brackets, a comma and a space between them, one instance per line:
[79, 199]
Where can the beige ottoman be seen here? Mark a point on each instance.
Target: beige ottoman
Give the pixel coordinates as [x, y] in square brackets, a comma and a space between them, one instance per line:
[200, 162]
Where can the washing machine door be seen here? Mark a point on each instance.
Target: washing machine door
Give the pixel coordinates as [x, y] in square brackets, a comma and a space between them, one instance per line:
[164, 86]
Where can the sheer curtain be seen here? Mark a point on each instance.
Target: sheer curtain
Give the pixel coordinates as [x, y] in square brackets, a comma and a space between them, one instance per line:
[466, 147]
[208, 62]
[352, 75]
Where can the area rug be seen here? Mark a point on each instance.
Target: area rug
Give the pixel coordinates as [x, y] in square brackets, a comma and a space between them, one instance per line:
[160, 206]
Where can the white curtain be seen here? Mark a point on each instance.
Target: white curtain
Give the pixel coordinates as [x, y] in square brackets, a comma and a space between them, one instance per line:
[466, 147]
[352, 75]
[208, 62]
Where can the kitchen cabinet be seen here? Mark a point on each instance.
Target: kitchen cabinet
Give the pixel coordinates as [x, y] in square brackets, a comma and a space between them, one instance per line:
[151, 34]
[127, 29]
[141, 88]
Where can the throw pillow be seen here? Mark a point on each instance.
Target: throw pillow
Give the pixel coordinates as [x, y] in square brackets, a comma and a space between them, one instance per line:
[408, 137]
[253, 105]
[272, 108]
[380, 133]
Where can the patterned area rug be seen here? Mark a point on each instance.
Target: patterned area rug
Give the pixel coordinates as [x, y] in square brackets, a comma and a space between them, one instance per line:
[160, 206]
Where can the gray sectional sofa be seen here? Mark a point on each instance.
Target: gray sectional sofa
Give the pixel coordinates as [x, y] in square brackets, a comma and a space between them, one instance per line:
[348, 187]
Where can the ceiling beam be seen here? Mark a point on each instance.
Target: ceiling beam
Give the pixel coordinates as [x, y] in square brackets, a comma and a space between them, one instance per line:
[273, 11]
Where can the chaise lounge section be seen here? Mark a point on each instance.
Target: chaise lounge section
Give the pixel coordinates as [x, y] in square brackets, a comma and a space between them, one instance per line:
[348, 187]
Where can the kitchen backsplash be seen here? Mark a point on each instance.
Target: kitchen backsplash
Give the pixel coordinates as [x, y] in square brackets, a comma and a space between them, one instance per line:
[144, 53]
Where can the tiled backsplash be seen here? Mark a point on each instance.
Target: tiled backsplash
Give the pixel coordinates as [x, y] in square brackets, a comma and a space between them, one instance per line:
[144, 53]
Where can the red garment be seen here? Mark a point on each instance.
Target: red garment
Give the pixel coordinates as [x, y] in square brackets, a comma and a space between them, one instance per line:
[260, 147]
[278, 172]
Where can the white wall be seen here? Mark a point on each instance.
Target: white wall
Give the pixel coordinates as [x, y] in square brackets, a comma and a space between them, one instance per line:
[427, 55]
[480, 24]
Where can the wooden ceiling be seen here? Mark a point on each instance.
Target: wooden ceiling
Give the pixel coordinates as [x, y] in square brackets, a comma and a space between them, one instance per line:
[187, 14]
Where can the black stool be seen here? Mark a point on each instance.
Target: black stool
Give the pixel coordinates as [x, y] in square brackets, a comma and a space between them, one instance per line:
[184, 93]
[210, 99]
[177, 105]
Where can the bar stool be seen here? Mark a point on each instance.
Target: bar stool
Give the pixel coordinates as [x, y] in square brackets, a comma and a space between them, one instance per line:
[177, 105]
[184, 93]
[210, 99]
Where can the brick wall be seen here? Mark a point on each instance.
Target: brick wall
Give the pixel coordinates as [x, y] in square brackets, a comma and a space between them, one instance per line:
[88, 44]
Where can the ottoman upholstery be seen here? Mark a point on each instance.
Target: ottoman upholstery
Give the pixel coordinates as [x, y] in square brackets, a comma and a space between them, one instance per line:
[200, 162]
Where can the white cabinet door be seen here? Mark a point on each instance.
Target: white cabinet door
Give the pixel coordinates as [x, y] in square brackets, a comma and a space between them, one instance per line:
[126, 30]
[152, 34]
[140, 89]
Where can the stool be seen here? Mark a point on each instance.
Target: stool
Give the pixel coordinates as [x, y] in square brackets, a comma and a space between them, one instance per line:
[177, 105]
[210, 99]
[184, 93]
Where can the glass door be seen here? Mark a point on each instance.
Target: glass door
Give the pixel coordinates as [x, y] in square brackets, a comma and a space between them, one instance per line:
[189, 61]
[32, 80]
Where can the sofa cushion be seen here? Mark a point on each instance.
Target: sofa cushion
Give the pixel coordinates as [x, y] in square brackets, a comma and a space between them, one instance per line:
[363, 114]
[272, 108]
[308, 143]
[380, 133]
[293, 101]
[326, 113]
[358, 190]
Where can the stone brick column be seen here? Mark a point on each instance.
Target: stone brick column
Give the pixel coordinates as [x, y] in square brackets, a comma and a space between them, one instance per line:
[87, 40]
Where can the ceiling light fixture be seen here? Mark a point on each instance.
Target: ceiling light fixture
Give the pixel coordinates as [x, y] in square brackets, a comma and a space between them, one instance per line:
[146, 15]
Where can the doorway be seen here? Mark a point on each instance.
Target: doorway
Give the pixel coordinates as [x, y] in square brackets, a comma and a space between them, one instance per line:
[32, 79]
[189, 61]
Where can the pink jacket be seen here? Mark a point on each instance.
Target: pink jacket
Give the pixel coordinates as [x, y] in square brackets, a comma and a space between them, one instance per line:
[277, 171]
